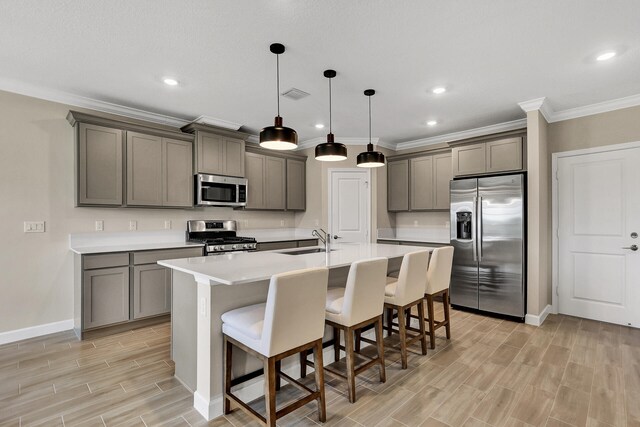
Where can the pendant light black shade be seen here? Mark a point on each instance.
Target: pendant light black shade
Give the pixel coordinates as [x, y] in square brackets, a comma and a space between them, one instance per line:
[370, 158]
[278, 137]
[330, 151]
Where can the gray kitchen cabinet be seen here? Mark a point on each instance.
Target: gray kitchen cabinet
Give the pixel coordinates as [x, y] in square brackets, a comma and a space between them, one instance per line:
[275, 183]
[296, 185]
[105, 296]
[233, 157]
[488, 157]
[144, 170]
[398, 185]
[255, 172]
[99, 165]
[219, 155]
[421, 183]
[177, 167]
[151, 290]
[442, 175]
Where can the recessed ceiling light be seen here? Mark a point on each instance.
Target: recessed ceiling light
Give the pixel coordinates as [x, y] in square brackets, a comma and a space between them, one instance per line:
[170, 81]
[432, 123]
[438, 90]
[319, 126]
[605, 56]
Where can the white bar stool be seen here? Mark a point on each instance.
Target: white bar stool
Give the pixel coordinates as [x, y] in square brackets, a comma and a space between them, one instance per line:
[403, 293]
[438, 280]
[290, 322]
[352, 308]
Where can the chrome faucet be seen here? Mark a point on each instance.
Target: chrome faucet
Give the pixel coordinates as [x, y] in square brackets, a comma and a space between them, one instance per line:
[325, 238]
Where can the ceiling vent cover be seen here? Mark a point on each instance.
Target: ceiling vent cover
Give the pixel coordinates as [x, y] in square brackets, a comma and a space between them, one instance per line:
[294, 94]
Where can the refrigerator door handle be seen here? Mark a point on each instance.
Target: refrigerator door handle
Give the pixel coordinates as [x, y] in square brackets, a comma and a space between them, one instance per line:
[474, 237]
[479, 226]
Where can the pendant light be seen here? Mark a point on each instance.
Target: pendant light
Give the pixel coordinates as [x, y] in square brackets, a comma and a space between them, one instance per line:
[278, 137]
[330, 151]
[370, 158]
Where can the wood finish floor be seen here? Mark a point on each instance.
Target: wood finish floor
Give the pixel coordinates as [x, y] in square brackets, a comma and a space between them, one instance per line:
[569, 372]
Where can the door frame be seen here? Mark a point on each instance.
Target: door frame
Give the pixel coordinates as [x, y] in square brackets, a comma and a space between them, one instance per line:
[330, 173]
[555, 250]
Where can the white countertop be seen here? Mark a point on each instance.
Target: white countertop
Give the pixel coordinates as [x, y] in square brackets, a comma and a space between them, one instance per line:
[133, 247]
[239, 268]
[101, 242]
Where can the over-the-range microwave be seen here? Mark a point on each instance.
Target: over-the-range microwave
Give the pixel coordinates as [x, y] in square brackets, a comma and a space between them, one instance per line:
[218, 190]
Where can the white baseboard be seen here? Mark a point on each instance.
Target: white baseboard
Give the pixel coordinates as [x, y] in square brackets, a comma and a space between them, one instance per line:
[35, 331]
[209, 409]
[532, 319]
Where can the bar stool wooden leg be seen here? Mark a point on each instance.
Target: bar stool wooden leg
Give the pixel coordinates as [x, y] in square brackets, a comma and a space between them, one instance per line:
[270, 390]
[380, 344]
[336, 344]
[228, 353]
[432, 327]
[303, 364]
[389, 321]
[403, 336]
[319, 374]
[358, 335]
[445, 301]
[351, 374]
[278, 367]
[423, 336]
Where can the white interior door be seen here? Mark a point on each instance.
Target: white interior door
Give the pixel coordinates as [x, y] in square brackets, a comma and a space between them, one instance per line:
[598, 214]
[349, 206]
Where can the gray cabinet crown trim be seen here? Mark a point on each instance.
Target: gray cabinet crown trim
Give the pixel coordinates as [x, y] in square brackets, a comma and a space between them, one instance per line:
[192, 128]
[253, 148]
[488, 138]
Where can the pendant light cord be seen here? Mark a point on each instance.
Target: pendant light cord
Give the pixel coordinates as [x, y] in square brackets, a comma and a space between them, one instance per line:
[330, 129]
[278, 82]
[369, 120]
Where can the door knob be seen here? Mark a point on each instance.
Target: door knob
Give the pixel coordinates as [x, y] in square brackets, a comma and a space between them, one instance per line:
[632, 247]
[335, 236]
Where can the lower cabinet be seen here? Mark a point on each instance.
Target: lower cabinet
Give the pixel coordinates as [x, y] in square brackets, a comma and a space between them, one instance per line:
[287, 244]
[105, 296]
[151, 290]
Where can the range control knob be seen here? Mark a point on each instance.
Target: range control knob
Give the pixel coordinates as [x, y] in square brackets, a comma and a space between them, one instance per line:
[234, 247]
[217, 248]
[245, 246]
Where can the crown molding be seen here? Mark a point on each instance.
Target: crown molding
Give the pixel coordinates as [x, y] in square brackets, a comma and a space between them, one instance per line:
[598, 108]
[456, 136]
[253, 139]
[538, 104]
[346, 140]
[206, 120]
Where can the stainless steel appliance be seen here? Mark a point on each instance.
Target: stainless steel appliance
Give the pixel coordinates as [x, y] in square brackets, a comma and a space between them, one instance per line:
[219, 237]
[218, 190]
[488, 234]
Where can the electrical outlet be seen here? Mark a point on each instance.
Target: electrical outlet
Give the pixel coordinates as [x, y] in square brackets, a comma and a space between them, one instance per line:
[133, 225]
[282, 223]
[100, 225]
[34, 227]
[415, 223]
[167, 224]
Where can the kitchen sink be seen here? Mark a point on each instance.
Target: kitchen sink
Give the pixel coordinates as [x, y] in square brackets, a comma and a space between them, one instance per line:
[306, 251]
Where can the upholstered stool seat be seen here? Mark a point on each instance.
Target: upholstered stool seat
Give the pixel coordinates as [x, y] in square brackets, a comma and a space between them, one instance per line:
[438, 280]
[290, 322]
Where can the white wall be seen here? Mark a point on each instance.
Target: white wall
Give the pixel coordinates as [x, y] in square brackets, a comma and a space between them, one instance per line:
[37, 184]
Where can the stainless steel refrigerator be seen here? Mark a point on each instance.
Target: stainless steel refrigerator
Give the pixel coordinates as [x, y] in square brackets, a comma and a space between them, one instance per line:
[488, 233]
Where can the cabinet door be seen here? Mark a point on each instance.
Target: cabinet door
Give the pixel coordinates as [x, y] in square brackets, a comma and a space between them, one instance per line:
[177, 183]
[504, 155]
[469, 159]
[144, 169]
[151, 290]
[421, 184]
[255, 171]
[442, 175]
[398, 185]
[296, 185]
[275, 181]
[99, 180]
[105, 296]
[210, 153]
[233, 157]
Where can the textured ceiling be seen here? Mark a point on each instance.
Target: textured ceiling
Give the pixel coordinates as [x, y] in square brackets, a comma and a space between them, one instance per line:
[490, 54]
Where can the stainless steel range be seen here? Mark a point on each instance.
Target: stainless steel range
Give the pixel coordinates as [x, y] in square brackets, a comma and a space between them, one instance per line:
[219, 237]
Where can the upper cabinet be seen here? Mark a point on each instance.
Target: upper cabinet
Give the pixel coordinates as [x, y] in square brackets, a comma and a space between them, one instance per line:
[419, 183]
[500, 155]
[275, 182]
[218, 151]
[129, 163]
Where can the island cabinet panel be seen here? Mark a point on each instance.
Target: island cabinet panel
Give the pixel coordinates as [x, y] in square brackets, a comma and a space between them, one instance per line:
[255, 173]
[442, 175]
[151, 290]
[105, 297]
[296, 185]
[398, 185]
[99, 169]
[144, 169]
[504, 155]
[177, 158]
[469, 159]
[275, 181]
[219, 155]
[421, 184]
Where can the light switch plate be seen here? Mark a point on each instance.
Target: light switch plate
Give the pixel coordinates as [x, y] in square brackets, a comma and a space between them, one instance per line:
[99, 225]
[167, 224]
[133, 225]
[34, 227]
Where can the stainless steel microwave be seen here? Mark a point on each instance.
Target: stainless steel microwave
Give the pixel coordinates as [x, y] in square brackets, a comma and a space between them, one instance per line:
[217, 190]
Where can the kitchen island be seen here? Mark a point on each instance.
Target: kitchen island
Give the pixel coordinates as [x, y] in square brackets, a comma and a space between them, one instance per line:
[206, 287]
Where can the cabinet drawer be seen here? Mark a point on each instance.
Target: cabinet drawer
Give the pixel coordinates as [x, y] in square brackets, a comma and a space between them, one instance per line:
[119, 259]
[151, 257]
[270, 246]
[305, 243]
